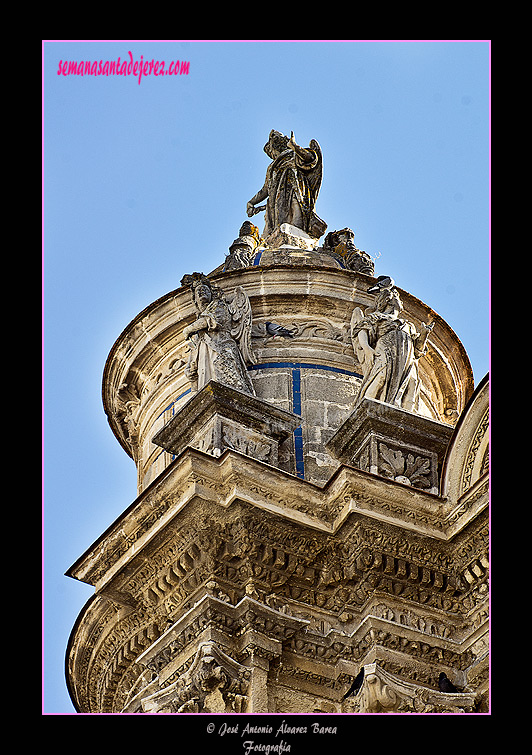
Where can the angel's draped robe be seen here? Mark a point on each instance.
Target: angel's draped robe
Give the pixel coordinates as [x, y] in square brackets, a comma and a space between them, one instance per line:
[292, 185]
[215, 354]
[393, 376]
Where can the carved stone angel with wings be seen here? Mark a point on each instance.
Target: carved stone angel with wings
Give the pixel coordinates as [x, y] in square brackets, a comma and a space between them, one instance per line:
[220, 337]
[388, 348]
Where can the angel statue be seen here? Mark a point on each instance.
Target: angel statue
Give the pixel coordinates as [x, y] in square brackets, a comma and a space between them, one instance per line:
[220, 337]
[388, 348]
[291, 187]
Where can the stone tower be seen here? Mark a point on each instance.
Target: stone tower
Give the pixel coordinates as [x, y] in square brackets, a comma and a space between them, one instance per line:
[311, 527]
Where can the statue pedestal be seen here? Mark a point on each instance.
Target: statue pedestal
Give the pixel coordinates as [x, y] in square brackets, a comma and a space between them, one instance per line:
[289, 235]
[391, 442]
[220, 417]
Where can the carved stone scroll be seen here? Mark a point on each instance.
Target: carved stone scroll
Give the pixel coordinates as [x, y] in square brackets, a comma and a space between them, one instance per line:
[214, 683]
[383, 692]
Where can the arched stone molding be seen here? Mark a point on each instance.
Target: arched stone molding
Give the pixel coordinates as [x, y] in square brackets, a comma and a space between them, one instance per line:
[466, 465]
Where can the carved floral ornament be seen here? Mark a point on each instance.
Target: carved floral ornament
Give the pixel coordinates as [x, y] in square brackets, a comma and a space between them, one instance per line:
[214, 683]
[399, 464]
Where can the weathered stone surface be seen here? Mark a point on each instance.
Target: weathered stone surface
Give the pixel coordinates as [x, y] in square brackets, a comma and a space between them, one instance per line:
[298, 583]
[385, 440]
[219, 417]
[286, 541]
[382, 692]
[145, 379]
[287, 235]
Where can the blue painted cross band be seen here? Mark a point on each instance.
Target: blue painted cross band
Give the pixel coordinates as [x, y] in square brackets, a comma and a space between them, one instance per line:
[171, 406]
[298, 432]
[296, 368]
[303, 365]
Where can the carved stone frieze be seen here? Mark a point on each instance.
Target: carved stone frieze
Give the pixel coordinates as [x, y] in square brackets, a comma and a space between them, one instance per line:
[321, 580]
[252, 577]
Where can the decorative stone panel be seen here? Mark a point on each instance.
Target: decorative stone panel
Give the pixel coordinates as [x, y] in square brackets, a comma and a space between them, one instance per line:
[390, 442]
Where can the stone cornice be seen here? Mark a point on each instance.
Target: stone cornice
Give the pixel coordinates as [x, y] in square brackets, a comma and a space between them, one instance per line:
[234, 477]
[245, 612]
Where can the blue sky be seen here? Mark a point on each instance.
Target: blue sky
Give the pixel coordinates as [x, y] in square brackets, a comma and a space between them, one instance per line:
[143, 183]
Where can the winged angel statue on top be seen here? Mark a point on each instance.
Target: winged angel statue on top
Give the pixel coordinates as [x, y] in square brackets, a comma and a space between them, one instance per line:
[220, 337]
[293, 180]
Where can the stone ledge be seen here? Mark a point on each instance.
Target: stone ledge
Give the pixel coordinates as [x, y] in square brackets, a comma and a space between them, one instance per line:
[233, 478]
[220, 417]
